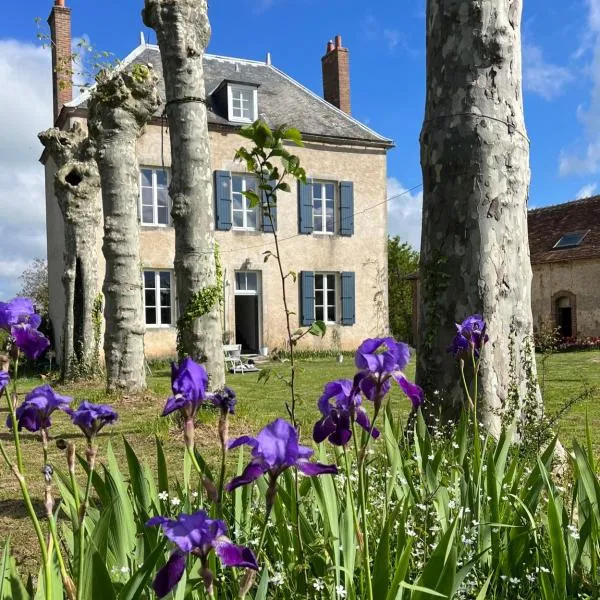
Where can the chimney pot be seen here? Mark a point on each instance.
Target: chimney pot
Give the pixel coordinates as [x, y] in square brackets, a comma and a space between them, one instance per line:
[59, 2]
[336, 75]
[60, 34]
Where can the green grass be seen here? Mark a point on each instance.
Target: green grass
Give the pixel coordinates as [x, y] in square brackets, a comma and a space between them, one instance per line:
[565, 377]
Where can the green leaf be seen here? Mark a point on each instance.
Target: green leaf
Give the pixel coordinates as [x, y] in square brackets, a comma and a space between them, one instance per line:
[138, 482]
[422, 590]
[484, 588]
[136, 586]
[381, 567]
[293, 135]
[253, 197]
[4, 567]
[318, 328]
[161, 467]
[263, 586]
[400, 571]
[284, 187]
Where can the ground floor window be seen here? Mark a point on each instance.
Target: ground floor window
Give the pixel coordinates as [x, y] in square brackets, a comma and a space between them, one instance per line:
[325, 297]
[565, 313]
[158, 298]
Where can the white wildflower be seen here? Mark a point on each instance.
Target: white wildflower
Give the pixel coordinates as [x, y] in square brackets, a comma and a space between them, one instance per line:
[318, 584]
[175, 501]
[340, 591]
[277, 578]
[164, 496]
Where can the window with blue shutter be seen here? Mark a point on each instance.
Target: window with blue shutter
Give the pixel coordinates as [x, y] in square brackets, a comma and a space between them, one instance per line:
[223, 200]
[269, 214]
[348, 298]
[307, 298]
[346, 208]
[305, 207]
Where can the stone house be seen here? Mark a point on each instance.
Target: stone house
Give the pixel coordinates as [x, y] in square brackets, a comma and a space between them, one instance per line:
[333, 230]
[564, 242]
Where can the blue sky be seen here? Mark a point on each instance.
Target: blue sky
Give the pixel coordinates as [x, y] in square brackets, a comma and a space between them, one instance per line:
[561, 56]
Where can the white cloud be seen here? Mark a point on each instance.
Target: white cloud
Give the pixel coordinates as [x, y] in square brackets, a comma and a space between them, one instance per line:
[587, 191]
[385, 36]
[540, 77]
[25, 109]
[404, 213]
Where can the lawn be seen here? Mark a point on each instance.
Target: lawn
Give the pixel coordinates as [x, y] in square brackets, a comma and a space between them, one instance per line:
[565, 377]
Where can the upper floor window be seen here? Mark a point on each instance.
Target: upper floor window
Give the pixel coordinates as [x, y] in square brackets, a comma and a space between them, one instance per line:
[242, 103]
[158, 298]
[154, 196]
[323, 207]
[244, 216]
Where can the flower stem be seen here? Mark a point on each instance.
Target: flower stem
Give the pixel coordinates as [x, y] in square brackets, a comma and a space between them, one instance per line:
[223, 436]
[91, 456]
[476, 441]
[363, 508]
[352, 503]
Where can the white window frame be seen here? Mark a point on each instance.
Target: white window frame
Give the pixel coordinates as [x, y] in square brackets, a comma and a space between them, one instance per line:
[245, 291]
[231, 89]
[323, 214]
[246, 208]
[158, 306]
[155, 222]
[325, 290]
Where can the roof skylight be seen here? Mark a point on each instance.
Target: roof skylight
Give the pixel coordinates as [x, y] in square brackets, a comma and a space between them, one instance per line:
[570, 240]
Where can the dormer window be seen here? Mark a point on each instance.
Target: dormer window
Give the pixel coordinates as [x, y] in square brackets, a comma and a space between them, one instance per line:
[242, 101]
[570, 240]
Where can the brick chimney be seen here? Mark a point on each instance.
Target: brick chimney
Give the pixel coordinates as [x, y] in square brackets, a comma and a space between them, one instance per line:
[60, 34]
[336, 75]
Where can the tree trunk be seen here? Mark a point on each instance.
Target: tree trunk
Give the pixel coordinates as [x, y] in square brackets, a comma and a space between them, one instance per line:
[475, 163]
[77, 189]
[183, 31]
[120, 107]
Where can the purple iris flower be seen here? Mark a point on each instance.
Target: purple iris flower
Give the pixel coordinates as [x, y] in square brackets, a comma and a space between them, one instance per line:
[18, 311]
[29, 340]
[197, 534]
[4, 380]
[91, 418]
[189, 381]
[225, 400]
[413, 391]
[380, 360]
[340, 406]
[34, 413]
[470, 336]
[274, 450]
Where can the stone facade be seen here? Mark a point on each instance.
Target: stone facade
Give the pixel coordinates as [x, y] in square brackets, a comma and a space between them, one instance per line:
[363, 253]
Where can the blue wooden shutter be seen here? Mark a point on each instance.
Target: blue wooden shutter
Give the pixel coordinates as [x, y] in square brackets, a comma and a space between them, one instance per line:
[305, 207]
[346, 208]
[223, 200]
[348, 298]
[307, 298]
[269, 224]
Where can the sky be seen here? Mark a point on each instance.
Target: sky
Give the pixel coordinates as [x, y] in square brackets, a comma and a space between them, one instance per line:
[561, 70]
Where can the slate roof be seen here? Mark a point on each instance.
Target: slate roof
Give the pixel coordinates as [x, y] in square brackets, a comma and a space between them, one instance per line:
[548, 224]
[281, 99]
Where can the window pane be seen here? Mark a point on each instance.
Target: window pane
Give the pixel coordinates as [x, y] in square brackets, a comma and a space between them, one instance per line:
[165, 280]
[329, 191]
[147, 196]
[319, 281]
[238, 201]
[162, 197]
[251, 282]
[165, 316]
[150, 298]
[251, 219]
[238, 218]
[147, 214]
[316, 190]
[240, 281]
[149, 279]
[319, 313]
[147, 177]
[331, 313]
[317, 206]
[236, 183]
[329, 223]
[319, 297]
[331, 297]
[331, 282]
[318, 225]
[161, 178]
[163, 215]
[150, 316]
[250, 183]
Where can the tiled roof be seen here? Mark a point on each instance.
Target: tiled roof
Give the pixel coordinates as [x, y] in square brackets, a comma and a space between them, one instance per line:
[281, 99]
[547, 225]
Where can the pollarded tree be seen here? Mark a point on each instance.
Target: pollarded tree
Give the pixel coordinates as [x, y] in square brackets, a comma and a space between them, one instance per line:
[77, 190]
[121, 105]
[475, 163]
[183, 31]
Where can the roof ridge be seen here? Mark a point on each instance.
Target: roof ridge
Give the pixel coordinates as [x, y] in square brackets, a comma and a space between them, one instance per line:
[566, 203]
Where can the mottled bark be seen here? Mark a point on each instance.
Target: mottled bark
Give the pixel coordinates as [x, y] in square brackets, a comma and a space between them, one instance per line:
[475, 163]
[77, 190]
[121, 105]
[183, 31]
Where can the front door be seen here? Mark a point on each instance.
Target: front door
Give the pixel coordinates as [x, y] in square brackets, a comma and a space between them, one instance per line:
[248, 310]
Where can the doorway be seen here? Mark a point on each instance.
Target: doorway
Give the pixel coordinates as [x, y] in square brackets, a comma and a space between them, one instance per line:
[564, 316]
[248, 310]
